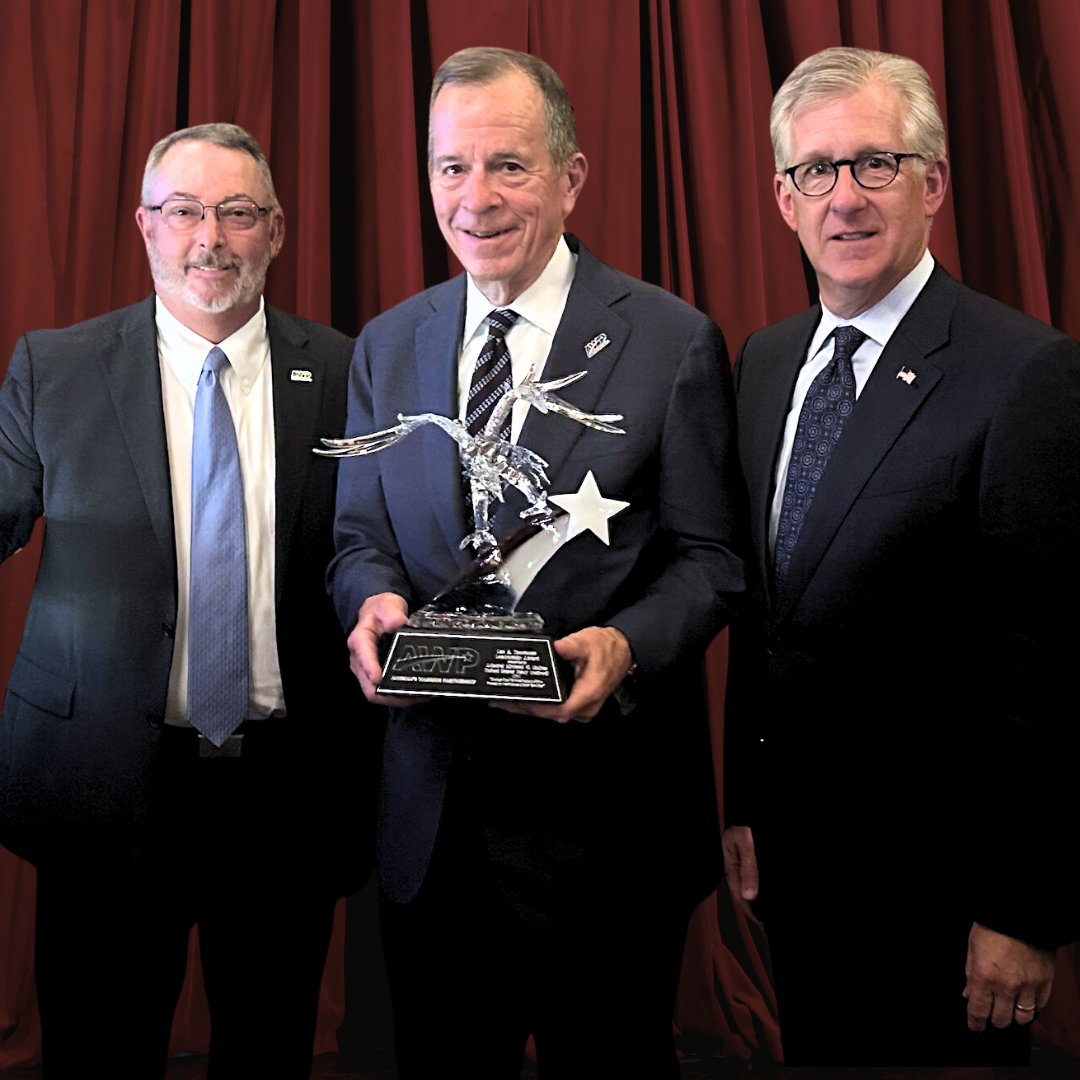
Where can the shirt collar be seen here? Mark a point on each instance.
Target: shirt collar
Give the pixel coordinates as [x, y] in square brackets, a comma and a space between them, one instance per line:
[187, 350]
[880, 321]
[541, 303]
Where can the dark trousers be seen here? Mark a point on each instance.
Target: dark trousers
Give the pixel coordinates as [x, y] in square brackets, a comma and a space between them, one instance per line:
[850, 994]
[868, 930]
[112, 933]
[471, 976]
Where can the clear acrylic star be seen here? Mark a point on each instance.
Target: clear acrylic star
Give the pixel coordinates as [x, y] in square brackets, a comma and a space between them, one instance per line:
[588, 509]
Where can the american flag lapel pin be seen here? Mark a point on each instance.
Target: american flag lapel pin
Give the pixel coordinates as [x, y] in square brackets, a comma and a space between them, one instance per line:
[907, 375]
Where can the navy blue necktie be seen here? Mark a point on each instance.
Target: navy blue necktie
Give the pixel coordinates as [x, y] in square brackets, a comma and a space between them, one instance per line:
[825, 410]
[217, 597]
[491, 376]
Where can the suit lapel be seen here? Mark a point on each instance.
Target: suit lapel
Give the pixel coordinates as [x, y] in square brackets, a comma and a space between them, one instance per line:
[437, 344]
[133, 377]
[297, 375]
[589, 312]
[884, 409]
[768, 403]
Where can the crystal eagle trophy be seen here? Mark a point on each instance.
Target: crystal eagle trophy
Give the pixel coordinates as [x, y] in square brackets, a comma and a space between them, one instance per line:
[470, 640]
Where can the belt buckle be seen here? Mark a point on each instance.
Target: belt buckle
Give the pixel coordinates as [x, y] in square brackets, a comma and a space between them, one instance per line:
[230, 748]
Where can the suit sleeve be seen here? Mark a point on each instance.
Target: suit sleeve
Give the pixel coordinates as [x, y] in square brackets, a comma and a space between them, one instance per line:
[1029, 509]
[368, 560]
[699, 575]
[20, 466]
[742, 783]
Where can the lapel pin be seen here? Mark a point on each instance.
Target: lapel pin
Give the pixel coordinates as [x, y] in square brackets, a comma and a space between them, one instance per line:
[300, 375]
[601, 341]
[907, 375]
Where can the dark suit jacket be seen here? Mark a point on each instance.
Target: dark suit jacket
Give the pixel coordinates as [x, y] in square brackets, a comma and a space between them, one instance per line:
[82, 442]
[908, 678]
[563, 805]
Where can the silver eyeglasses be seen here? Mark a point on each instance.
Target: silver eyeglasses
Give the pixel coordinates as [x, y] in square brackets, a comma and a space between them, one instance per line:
[871, 171]
[234, 215]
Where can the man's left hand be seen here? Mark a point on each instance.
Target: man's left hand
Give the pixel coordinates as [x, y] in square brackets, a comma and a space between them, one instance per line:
[601, 659]
[1007, 979]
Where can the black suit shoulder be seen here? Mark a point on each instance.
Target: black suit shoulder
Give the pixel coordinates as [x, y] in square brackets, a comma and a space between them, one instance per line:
[949, 322]
[979, 322]
[333, 344]
[91, 334]
[970, 315]
[638, 302]
[783, 332]
[779, 339]
[98, 326]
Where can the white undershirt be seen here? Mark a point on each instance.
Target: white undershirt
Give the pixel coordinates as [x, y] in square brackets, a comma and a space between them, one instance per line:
[878, 323]
[248, 388]
[540, 308]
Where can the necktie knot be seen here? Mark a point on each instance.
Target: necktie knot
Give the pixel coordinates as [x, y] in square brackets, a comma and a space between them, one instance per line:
[847, 340]
[215, 361]
[500, 320]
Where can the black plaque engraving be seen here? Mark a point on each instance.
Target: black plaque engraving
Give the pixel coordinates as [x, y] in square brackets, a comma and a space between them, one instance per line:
[490, 664]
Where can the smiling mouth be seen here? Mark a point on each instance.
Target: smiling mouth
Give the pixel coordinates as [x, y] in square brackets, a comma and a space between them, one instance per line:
[211, 267]
[212, 261]
[486, 234]
[854, 235]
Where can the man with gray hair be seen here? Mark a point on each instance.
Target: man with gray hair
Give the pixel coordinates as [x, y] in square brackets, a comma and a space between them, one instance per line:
[539, 863]
[180, 717]
[912, 455]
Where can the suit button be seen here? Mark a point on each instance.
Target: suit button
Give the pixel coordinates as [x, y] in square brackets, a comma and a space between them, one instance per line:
[168, 630]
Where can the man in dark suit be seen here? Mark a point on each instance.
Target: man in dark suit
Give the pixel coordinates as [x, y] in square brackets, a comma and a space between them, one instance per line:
[538, 864]
[915, 501]
[139, 825]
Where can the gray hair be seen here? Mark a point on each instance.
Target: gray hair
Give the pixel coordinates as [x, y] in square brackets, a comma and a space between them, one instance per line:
[840, 71]
[230, 136]
[481, 66]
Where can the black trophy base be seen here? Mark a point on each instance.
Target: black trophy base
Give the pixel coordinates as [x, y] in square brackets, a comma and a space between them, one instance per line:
[495, 665]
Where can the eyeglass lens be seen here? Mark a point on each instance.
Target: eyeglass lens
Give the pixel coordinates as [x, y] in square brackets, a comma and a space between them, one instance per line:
[871, 171]
[183, 215]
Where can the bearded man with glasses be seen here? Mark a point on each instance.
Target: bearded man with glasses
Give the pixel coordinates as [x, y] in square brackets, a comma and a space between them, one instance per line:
[912, 455]
[182, 741]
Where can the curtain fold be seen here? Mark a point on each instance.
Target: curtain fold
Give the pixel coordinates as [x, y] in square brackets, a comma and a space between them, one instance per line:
[672, 100]
[989, 128]
[1046, 34]
[600, 38]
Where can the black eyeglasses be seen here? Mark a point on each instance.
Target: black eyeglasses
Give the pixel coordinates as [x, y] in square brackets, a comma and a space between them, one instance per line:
[871, 171]
[234, 215]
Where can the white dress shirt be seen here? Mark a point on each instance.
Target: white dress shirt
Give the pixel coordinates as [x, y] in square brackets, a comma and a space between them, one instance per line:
[878, 323]
[540, 308]
[248, 388]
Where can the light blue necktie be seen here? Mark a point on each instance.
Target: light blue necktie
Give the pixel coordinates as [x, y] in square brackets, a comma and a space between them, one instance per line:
[826, 407]
[217, 598]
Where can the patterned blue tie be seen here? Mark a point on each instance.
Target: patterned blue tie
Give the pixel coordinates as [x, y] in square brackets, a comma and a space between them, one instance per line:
[491, 376]
[825, 410]
[217, 598]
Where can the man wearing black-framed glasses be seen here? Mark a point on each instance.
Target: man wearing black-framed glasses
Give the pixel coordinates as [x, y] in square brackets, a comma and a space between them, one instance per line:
[910, 451]
[872, 171]
[181, 734]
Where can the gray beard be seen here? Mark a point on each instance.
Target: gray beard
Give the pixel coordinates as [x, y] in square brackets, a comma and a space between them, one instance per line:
[248, 286]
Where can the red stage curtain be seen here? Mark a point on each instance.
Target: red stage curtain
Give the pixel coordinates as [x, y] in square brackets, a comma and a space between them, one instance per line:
[672, 98]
